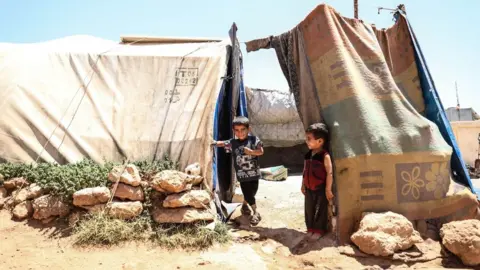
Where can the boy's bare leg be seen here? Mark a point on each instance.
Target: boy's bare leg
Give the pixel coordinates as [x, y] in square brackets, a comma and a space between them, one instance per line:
[246, 209]
[256, 218]
[315, 236]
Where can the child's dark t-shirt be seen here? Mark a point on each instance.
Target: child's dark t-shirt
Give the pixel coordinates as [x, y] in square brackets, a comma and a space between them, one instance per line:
[246, 166]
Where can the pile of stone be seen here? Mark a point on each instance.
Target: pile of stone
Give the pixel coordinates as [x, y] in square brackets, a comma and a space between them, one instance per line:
[385, 234]
[30, 200]
[127, 191]
[177, 197]
[462, 238]
[181, 197]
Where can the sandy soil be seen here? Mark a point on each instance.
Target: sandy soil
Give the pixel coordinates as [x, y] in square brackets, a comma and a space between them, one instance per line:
[31, 245]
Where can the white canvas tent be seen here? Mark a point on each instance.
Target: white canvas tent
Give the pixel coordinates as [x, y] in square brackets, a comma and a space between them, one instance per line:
[85, 97]
[274, 118]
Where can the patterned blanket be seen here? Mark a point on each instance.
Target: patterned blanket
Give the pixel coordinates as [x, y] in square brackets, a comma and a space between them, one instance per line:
[364, 84]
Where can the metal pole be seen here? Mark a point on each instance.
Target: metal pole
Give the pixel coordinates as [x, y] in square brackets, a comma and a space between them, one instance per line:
[458, 101]
[355, 9]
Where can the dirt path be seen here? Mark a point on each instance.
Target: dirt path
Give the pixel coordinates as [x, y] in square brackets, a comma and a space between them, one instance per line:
[29, 245]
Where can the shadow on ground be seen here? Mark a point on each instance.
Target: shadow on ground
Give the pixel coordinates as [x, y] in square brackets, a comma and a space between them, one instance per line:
[57, 228]
[289, 238]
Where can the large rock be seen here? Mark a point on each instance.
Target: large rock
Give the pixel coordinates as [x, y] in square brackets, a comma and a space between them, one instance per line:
[125, 210]
[193, 169]
[196, 180]
[19, 195]
[462, 238]
[8, 203]
[3, 196]
[34, 191]
[181, 215]
[48, 206]
[95, 209]
[382, 234]
[130, 193]
[91, 196]
[129, 176]
[3, 193]
[31, 192]
[15, 183]
[23, 210]
[171, 181]
[195, 198]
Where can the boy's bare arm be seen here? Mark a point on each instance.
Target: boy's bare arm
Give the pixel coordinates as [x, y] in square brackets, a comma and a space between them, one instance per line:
[329, 169]
[256, 152]
[219, 143]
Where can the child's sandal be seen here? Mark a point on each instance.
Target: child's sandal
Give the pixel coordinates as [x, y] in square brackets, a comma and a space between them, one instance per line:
[255, 219]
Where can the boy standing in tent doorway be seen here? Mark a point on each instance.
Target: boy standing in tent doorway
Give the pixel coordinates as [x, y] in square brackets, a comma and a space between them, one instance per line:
[246, 150]
[317, 181]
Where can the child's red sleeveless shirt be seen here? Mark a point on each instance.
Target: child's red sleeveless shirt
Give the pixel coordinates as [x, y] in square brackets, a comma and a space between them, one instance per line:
[314, 172]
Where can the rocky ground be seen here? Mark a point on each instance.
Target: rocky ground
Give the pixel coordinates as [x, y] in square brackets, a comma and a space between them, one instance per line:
[32, 245]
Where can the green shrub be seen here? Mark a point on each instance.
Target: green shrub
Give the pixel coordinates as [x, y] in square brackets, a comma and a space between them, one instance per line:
[64, 180]
[148, 169]
[12, 170]
[67, 179]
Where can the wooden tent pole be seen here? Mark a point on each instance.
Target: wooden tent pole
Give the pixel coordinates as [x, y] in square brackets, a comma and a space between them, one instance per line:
[355, 9]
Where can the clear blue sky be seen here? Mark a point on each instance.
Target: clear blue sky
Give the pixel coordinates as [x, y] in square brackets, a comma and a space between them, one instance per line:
[449, 33]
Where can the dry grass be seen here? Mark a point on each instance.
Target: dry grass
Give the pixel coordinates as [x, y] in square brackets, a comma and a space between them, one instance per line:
[100, 229]
[190, 236]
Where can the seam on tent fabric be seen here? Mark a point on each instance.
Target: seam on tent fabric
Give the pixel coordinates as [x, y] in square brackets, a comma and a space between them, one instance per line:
[168, 106]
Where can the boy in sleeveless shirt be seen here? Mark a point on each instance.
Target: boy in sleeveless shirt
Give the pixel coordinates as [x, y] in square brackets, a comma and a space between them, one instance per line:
[317, 181]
